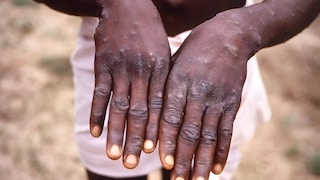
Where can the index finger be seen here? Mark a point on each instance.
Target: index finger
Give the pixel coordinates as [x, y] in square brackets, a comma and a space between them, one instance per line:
[171, 121]
[100, 101]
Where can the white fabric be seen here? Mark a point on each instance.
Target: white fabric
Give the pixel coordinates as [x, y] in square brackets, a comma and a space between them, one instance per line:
[254, 109]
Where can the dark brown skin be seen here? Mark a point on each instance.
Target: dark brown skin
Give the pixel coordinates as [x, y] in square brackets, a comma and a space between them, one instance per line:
[202, 93]
[136, 64]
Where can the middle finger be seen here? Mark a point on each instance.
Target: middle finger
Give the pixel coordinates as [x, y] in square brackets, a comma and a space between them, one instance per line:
[207, 144]
[188, 138]
[137, 121]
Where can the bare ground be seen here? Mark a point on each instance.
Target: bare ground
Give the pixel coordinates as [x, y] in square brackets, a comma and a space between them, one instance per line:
[36, 101]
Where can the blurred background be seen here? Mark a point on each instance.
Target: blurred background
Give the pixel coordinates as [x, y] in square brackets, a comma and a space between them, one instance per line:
[36, 101]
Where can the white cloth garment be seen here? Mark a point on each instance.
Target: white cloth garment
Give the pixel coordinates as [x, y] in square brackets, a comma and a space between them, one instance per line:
[253, 110]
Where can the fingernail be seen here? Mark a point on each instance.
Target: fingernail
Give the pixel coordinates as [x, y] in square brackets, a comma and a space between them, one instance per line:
[114, 152]
[217, 168]
[169, 160]
[148, 145]
[179, 178]
[95, 131]
[131, 161]
[200, 178]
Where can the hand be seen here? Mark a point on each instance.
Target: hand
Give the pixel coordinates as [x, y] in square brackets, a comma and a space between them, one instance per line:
[132, 61]
[203, 94]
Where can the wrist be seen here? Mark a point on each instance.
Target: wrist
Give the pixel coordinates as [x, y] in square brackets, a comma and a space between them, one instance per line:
[236, 33]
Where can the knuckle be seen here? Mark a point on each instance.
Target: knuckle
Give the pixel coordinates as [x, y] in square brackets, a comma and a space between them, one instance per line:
[120, 104]
[115, 133]
[100, 91]
[134, 141]
[156, 103]
[208, 137]
[204, 163]
[138, 112]
[226, 132]
[182, 165]
[170, 144]
[172, 117]
[97, 117]
[191, 132]
[223, 149]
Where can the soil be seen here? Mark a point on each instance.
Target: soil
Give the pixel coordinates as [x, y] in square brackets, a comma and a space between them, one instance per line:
[36, 101]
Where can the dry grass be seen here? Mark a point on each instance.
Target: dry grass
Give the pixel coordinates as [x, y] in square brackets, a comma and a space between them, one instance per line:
[36, 109]
[283, 147]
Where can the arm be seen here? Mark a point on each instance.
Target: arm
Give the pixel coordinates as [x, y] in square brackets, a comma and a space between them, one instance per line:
[75, 7]
[204, 87]
[277, 21]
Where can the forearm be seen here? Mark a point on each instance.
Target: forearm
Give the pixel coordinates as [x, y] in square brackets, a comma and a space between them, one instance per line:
[279, 20]
[75, 7]
[99, 8]
[245, 31]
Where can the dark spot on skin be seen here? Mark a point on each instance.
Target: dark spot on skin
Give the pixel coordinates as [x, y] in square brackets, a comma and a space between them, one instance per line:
[138, 112]
[172, 118]
[121, 104]
[208, 136]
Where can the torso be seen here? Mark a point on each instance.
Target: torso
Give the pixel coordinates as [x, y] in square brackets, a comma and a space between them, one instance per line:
[182, 15]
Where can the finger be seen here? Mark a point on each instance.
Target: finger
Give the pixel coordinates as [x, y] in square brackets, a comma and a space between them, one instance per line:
[155, 102]
[206, 147]
[224, 140]
[137, 121]
[171, 121]
[118, 114]
[101, 95]
[188, 138]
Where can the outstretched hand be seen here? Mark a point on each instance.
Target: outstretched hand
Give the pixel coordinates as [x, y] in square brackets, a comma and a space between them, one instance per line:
[203, 94]
[132, 61]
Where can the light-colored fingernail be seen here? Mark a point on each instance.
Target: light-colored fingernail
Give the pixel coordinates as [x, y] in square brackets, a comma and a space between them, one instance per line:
[114, 152]
[96, 131]
[148, 145]
[131, 161]
[217, 168]
[169, 160]
[179, 178]
[200, 178]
